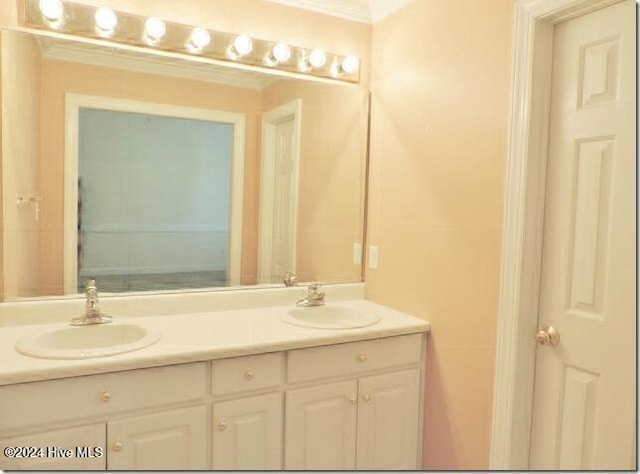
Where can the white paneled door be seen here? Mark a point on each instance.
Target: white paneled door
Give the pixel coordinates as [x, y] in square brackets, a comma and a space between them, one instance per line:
[388, 415]
[584, 413]
[172, 440]
[321, 427]
[87, 445]
[284, 199]
[247, 433]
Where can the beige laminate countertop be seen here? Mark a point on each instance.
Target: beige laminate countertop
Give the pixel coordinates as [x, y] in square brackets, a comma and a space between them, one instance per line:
[200, 336]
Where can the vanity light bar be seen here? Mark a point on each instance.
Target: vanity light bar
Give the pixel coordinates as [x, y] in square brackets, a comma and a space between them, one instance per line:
[102, 23]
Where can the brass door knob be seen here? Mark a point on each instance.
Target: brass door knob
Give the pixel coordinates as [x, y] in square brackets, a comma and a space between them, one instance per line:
[548, 336]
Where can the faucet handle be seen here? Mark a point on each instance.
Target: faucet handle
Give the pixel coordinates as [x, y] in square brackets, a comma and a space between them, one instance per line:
[315, 287]
[90, 285]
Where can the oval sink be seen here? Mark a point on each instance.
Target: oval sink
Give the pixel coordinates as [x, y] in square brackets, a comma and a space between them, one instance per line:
[86, 342]
[330, 317]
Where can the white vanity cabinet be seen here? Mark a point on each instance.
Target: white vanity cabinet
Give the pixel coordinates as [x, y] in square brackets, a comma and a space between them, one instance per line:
[355, 405]
[169, 440]
[321, 427]
[142, 419]
[69, 438]
[247, 422]
[247, 433]
[364, 423]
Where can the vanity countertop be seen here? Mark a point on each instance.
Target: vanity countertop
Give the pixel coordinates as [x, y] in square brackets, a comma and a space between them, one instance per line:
[201, 336]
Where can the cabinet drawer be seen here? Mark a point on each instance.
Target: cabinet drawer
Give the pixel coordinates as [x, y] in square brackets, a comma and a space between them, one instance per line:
[55, 400]
[352, 357]
[242, 374]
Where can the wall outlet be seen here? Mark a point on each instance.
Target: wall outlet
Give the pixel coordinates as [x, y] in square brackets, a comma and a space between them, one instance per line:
[357, 253]
[373, 256]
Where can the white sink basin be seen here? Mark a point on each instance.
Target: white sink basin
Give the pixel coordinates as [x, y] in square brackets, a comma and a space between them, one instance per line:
[330, 317]
[86, 342]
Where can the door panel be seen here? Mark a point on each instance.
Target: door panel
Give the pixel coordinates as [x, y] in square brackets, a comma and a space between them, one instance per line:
[585, 387]
[284, 200]
[321, 427]
[171, 440]
[90, 436]
[388, 421]
[247, 433]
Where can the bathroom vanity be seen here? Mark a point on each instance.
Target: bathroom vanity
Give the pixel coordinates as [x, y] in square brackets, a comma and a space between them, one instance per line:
[177, 179]
[237, 389]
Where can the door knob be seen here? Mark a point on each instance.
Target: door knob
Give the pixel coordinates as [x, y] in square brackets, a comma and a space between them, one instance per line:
[548, 336]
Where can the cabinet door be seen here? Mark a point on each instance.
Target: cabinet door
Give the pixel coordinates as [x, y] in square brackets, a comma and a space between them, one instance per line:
[170, 440]
[388, 421]
[82, 440]
[247, 433]
[320, 427]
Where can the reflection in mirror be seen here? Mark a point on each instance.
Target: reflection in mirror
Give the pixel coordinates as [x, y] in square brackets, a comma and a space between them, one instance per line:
[152, 173]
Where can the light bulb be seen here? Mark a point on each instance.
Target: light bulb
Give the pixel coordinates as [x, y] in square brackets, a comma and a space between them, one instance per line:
[281, 52]
[242, 45]
[317, 58]
[52, 10]
[154, 29]
[350, 65]
[200, 39]
[106, 20]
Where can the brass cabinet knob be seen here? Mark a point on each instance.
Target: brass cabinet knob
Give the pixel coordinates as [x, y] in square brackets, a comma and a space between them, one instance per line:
[222, 426]
[366, 398]
[249, 374]
[105, 397]
[362, 358]
[353, 399]
[117, 446]
[548, 336]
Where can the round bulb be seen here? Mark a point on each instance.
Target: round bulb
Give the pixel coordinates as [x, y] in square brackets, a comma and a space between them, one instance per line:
[52, 9]
[243, 45]
[155, 29]
[200, 38]
[106, 19]
[350, 65]
[317, 58]
[282, 52]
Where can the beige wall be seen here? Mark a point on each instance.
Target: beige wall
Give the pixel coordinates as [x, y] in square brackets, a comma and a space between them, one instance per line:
[66, 77]
[21, 102]
[440, 87]
[332, 176]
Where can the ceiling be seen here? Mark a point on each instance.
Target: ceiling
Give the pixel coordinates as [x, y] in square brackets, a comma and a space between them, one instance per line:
[364, 11]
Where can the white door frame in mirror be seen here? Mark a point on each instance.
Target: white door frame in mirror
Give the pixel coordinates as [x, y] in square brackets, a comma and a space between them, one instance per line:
[270, 120]
[73, 104]
[522, 246]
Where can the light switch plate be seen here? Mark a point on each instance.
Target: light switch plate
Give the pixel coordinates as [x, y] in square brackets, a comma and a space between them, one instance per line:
[357, 253]
[373, 256]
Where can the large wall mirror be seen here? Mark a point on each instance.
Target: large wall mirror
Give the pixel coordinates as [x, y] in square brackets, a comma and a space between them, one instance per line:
[154, 173]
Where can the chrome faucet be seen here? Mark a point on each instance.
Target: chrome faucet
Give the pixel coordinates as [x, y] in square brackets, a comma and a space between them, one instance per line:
[92, 313]
[290, 279]
[314, 297]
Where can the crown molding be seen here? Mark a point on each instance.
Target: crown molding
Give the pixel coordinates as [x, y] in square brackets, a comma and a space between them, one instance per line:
[381, 9]
[354, 10]
[363, 11]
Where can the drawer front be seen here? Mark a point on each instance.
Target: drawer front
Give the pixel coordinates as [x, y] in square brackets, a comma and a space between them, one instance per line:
[352, 357]
[242, 374]
[33, 403]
